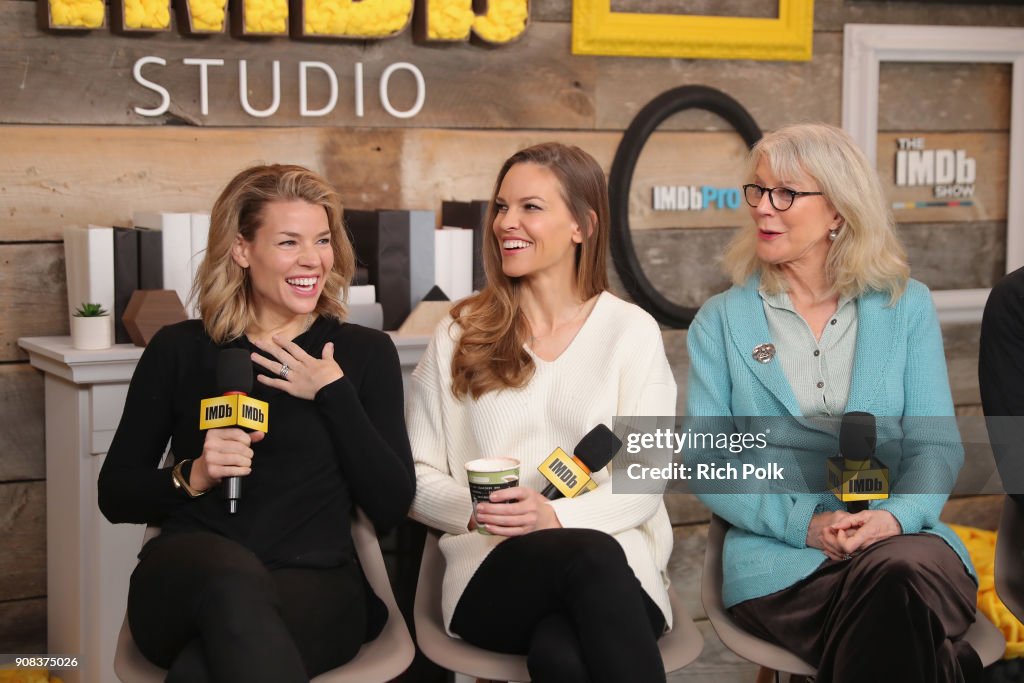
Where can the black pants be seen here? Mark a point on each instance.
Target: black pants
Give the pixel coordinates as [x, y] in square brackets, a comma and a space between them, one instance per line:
[205, 608]
[568, 600]
[892, 613]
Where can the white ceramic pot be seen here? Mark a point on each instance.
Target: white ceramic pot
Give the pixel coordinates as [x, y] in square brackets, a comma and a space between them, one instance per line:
[92, 333]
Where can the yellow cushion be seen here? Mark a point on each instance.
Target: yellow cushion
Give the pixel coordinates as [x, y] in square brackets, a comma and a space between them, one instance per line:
[981, 545]
[27, 676]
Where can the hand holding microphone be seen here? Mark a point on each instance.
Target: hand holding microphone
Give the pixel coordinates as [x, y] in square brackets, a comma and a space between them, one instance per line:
[227, 452]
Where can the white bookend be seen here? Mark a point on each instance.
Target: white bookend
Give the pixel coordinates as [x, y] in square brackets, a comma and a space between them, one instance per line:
[176, 229]
[89, 264]
[422, 226]
[359, 295]
[443, 260]
[200, 235]
[461, 263]
[367, 315]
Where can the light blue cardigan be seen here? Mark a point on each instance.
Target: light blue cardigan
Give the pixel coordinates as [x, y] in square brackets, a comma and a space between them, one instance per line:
[899, 370]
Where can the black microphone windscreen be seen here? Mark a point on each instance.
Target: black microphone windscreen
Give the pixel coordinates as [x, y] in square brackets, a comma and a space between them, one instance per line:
[597, 448]
[234, 371]
[857, 436]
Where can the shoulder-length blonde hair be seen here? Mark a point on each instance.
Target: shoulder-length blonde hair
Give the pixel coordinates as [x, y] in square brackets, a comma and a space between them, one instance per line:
[491, 353]
[222, 288]
[866, 254]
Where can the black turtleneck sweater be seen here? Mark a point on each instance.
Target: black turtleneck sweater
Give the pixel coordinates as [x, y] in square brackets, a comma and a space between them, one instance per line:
[348, 446]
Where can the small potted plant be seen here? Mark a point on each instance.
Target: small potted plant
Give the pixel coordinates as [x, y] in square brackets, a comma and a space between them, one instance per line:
[91, 327]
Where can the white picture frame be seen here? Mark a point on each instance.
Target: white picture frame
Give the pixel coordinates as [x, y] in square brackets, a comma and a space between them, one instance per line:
[866, 46]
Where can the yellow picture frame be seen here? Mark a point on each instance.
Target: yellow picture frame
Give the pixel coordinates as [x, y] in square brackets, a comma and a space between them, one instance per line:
[597, 30]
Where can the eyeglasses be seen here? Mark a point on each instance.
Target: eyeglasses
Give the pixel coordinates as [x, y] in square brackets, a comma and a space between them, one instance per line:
[781, 198]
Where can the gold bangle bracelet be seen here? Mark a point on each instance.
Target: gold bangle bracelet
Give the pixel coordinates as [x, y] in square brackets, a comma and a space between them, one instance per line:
[181, 483]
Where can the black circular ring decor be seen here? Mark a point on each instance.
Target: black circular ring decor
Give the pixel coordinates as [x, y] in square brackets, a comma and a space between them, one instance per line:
[621, 179]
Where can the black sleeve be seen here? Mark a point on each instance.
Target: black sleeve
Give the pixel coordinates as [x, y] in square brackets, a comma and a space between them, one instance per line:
[368, 430]
[1001, 355]
[131, 486]
[1001, 377]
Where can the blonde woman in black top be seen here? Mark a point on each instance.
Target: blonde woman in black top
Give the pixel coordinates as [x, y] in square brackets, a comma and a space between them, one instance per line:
[273, 593]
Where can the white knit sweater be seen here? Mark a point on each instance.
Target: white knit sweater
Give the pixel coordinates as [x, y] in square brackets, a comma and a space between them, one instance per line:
[616, 365]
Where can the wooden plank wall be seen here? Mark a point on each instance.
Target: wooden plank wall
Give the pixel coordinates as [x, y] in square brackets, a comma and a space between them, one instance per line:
[72, 152]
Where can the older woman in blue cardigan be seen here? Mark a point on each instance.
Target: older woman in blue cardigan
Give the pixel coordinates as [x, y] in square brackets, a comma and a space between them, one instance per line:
[823, 320]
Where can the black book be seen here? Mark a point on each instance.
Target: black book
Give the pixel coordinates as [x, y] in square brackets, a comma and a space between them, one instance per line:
[126, 277]
[151, 259]
[381, 240]
[436, 294]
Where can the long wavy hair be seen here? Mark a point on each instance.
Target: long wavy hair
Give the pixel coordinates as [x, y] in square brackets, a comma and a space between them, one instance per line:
[222, 287]
[866, 254]
[491, 353]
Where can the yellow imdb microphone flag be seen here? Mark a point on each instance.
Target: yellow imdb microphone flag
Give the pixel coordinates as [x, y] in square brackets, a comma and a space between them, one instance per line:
[562, 470]
[234, 410]
[850, 484]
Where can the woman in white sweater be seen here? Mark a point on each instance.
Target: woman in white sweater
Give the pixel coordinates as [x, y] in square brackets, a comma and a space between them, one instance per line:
[533, 362]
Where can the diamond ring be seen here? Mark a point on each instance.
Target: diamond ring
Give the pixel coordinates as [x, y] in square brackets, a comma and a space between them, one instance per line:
[285, 370]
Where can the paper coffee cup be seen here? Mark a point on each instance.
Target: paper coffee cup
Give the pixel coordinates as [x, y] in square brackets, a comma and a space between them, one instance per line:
[490, 474]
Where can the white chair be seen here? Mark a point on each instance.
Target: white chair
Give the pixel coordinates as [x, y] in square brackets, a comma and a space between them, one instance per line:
[678, 647]
[379, 660]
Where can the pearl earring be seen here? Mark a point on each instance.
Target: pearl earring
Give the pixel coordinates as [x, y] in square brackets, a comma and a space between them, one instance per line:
[833, 234]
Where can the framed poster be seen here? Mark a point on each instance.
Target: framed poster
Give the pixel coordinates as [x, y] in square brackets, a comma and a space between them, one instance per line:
[867, 45]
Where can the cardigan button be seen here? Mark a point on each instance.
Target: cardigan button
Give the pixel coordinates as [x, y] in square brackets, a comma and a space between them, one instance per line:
[834, 321]
[817, 353]
[820, 385]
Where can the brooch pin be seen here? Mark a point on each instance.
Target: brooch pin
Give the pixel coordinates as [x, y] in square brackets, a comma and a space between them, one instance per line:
[763, 353]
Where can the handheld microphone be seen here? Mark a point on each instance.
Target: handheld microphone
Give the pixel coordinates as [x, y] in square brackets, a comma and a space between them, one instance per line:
[234, 407]
[855, 476]
[569, 476]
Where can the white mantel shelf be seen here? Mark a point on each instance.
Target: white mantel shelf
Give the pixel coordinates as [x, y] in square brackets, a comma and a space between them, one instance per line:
[409, 350]
[56, 356]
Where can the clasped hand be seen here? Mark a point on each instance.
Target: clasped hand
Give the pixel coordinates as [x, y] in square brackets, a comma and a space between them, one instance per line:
[528, 511]
[840, 534]
[305, 376]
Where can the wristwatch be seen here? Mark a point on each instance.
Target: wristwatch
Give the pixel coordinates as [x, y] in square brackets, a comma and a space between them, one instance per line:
[179, 475]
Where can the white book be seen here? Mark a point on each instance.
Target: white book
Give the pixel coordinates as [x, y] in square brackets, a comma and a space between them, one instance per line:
[367, 315]
[443, 260]
[422, 226]
[459, 275]
[176, 229]
[89, 265]
[359, 295]
[200, 235]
